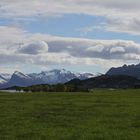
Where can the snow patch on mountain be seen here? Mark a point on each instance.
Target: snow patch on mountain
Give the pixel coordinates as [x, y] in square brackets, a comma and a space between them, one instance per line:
[21, 75]
[4, 78]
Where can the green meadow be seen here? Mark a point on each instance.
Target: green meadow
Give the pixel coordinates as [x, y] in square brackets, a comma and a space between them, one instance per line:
[99, 115]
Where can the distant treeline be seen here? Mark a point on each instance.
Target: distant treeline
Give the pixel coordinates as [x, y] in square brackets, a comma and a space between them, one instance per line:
[51, 88]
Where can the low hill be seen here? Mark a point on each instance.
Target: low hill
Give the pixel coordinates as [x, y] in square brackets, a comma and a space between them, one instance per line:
[106, 81]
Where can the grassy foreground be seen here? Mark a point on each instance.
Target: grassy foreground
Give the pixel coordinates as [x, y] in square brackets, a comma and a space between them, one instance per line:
[101, 115]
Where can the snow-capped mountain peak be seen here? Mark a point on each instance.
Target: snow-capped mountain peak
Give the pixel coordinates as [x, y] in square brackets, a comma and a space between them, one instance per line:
[60, 76]
[21, 75]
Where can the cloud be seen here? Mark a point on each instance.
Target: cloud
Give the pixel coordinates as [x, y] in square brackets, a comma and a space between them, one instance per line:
[117, 50]
[46, 50]
[121, 16]
[18, 46]
[126, 25]
[34, 48]
[88, 29]
[97, 48]
[104, 49]
[41, 7]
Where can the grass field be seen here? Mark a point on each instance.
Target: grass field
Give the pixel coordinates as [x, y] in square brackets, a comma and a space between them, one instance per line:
[101, 115]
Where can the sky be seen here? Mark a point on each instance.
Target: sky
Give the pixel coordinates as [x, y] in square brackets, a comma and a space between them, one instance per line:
[78, 35]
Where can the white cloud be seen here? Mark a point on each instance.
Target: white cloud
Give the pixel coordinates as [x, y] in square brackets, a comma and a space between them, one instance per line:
[38, 47]
[88, 29]
[19, 47]
[97, 48]
[126, 25]
[46, 7]
[104, 49]
[41, 49]
[117, 50]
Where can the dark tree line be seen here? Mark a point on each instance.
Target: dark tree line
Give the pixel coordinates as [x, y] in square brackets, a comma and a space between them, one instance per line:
[51, 88]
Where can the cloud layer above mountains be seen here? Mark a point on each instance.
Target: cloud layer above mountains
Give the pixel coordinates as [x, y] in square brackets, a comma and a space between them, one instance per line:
[41, 49]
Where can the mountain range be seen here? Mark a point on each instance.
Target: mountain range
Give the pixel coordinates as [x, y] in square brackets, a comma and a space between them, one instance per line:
[54, 76]
[125, 76]
[129, 70]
